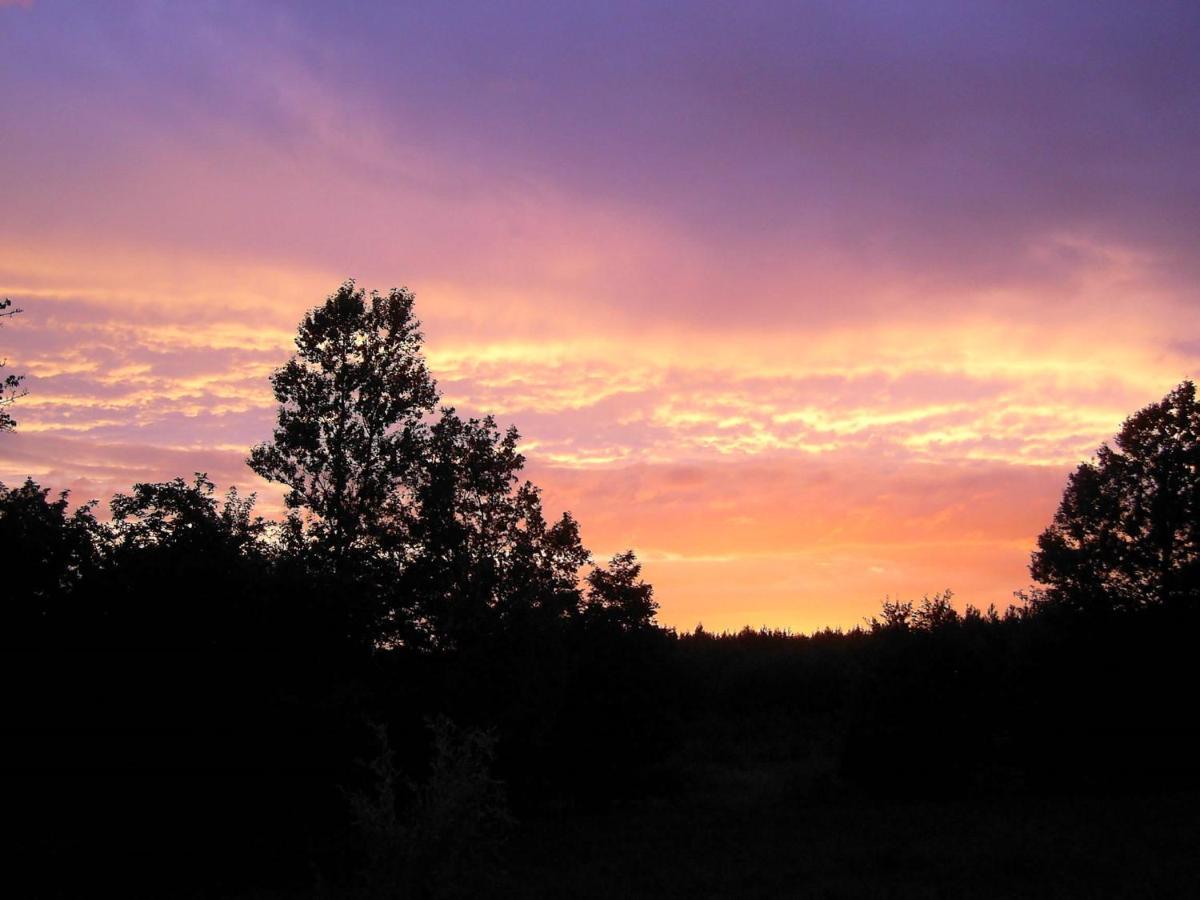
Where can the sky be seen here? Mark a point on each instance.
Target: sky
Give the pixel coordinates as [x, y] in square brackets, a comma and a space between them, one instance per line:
[811, 304]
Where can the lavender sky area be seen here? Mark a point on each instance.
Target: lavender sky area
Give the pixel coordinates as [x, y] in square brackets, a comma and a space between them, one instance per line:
[810, 304]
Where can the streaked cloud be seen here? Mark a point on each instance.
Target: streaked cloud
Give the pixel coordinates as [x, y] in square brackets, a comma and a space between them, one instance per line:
[808, 304]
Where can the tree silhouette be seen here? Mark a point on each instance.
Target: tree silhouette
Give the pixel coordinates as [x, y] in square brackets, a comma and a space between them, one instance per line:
[482, 554]
[351, 401]
[1127, 532]
[10, 386]
[617, 594]
[48, 550]
[424, 523]
[175, 513]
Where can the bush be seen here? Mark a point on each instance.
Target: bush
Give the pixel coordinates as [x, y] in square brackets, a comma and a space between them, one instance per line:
[447, 840]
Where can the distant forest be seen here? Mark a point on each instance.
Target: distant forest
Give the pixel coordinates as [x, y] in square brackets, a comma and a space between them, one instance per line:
[419, 684]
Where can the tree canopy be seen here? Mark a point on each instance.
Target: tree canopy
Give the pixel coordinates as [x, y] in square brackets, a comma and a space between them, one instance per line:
[1127, 532]
[351, 402]
[424, 516]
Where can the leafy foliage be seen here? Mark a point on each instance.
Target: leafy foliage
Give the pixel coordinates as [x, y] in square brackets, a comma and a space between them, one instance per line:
[482, 553]
[351, 403]
[1127, 532]
[443, 837]
[176, 513]
[617, 596]
[10, 385]
[48, 551]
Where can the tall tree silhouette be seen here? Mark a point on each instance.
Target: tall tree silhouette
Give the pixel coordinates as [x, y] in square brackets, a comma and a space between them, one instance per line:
[423, 522]
[1127, 532]
[483, 553]
[351, 402]
[10, 385]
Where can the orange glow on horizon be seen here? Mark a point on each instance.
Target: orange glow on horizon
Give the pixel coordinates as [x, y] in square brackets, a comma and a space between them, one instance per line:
[800, 344]
[792, 486]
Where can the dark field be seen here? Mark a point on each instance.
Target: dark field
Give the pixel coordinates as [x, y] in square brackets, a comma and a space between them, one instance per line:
[747, 845]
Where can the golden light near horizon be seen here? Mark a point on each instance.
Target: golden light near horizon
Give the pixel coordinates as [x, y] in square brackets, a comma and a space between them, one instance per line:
[802, 332]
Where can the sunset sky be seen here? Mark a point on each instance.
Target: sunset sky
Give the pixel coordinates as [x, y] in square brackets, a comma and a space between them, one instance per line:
[809, 303]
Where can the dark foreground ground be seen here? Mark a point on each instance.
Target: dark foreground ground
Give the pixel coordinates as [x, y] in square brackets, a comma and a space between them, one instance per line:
[1125, 845]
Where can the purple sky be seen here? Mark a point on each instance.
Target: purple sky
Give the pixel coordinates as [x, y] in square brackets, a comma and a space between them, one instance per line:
[810, 303]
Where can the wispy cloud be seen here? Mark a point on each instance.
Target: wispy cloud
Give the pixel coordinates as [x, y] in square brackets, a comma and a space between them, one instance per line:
[809, 306]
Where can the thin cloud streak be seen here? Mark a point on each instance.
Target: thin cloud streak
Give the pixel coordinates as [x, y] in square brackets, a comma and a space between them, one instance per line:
[809, 305]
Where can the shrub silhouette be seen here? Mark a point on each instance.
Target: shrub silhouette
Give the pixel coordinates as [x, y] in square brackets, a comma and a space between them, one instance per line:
[446, 839]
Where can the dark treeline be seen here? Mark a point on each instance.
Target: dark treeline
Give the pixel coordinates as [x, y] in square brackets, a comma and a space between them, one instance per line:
[393, 689]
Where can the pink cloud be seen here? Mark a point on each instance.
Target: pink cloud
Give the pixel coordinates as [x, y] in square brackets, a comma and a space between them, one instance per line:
[804, 328]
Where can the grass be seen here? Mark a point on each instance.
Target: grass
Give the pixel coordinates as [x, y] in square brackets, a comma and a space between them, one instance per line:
[1130, 845]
